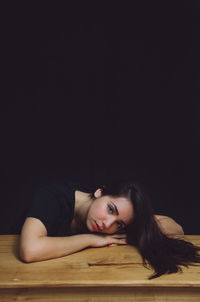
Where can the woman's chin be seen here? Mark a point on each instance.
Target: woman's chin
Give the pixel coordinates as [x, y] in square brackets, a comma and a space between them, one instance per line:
[89, 227]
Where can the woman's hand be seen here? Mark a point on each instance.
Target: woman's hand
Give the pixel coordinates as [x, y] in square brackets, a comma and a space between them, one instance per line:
[100, 240]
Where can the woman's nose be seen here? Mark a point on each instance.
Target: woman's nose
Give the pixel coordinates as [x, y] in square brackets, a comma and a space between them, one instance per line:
[109, 221]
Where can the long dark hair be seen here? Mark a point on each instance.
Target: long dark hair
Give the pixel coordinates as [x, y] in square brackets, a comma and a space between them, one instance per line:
[164, 254]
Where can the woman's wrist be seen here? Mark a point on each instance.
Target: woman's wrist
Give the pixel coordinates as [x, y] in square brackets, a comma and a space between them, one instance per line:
[89, 238]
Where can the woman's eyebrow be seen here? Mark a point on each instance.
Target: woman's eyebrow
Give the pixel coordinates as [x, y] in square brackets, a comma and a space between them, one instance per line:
[116, 210]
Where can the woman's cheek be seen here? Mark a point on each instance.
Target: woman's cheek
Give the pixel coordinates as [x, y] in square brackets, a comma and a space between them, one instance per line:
[112, 230]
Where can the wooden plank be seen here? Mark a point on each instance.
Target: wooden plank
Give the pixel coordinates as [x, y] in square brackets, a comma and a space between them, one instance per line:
[102, 294]
[119, 266]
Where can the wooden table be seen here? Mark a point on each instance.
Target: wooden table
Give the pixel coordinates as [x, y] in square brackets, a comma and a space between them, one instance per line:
[95, 274]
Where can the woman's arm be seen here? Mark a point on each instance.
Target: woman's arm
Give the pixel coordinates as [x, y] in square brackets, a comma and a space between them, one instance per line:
[168, 225]
[35, 245]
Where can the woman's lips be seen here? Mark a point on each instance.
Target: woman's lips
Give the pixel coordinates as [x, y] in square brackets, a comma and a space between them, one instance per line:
[97, 227]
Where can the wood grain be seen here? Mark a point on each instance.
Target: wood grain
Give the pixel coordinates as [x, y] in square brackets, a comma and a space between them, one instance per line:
[94, 274]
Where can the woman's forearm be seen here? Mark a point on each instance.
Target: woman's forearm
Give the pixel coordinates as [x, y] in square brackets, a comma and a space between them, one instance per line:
[44, 248]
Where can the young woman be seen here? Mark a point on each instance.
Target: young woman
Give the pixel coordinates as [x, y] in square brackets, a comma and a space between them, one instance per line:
[64, 219]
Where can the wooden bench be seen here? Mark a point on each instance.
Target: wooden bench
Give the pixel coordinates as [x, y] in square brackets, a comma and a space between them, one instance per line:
[94, 274]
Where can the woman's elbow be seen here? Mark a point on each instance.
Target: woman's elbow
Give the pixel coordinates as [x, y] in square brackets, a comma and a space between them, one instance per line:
[175, 229]
[28, 252]
[170, 227]
[180, 230]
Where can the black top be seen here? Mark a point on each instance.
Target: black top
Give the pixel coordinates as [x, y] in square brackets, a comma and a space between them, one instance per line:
[53, 205]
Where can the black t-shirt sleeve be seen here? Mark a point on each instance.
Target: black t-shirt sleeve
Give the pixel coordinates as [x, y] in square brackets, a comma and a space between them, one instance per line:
[53, 206]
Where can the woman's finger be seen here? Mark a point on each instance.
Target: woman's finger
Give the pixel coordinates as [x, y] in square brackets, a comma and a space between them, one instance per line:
[121, 241]
[120, 236]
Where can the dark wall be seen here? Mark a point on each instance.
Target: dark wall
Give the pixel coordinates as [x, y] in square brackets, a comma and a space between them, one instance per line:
[103, 92]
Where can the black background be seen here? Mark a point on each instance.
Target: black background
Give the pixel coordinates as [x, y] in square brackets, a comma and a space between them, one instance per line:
[98, 91]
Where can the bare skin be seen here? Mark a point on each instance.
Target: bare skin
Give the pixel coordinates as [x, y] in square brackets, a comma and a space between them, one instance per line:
[111, 214]
[99, 216]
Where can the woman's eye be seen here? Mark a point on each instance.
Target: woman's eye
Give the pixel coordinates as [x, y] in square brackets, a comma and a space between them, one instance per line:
[110, 209]
[119, 225]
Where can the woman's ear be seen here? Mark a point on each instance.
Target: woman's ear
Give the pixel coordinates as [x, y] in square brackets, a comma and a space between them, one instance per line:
[98, 193]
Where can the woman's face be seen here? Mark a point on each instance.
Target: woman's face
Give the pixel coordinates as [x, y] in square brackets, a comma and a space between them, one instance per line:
[109, 214]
